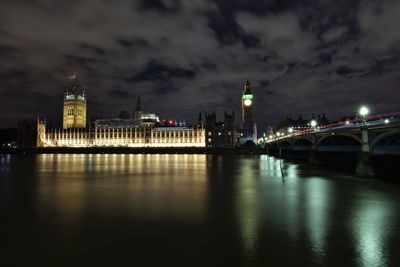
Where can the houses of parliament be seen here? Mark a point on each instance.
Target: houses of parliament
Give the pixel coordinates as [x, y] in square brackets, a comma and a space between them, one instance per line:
[140, 130]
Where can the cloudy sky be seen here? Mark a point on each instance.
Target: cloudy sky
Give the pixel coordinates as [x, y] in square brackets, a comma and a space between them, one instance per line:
[185, 56]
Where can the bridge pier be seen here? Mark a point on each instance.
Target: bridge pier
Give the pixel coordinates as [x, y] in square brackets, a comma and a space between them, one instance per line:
[312, 154]
[365, 167]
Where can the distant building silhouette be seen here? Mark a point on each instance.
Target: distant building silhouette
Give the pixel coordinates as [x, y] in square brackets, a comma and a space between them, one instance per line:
[27, 133]
[300, 123]
[220, 134]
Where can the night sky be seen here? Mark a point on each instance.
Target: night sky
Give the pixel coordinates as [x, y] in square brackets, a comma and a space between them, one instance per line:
[186, 56]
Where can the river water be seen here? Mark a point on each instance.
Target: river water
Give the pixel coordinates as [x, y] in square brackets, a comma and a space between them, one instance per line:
[192, 210]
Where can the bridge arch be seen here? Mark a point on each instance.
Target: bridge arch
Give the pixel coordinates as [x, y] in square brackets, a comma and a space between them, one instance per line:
[339, 143]
[386, 143]
[286, 144]
[303, 144]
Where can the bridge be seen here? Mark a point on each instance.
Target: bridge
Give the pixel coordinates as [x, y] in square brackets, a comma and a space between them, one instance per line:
[357, 141]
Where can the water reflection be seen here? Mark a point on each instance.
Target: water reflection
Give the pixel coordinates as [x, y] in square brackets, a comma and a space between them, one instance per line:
[374, 221]
[248, 206]
[206, 210]
[317, 201]
[172, 187]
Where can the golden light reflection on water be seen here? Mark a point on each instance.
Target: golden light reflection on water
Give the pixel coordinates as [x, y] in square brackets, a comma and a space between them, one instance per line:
[255, 204]
[172, 187]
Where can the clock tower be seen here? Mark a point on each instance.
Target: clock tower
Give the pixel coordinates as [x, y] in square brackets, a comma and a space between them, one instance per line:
[74, 115]
[248, 125]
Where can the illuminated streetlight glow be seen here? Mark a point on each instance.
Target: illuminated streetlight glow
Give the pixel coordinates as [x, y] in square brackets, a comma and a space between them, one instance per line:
[364, 111]
[313, 123]
[386, 121]
[290, 130]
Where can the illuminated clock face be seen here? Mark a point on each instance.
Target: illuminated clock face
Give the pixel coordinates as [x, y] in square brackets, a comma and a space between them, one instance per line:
[247, 102]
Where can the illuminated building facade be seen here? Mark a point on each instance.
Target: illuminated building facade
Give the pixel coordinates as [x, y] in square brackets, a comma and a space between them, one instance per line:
[74, 113]
[144, 130]
[121, 133]
[249, 129]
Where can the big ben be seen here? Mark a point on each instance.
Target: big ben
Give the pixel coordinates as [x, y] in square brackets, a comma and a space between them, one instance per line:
[249, 127]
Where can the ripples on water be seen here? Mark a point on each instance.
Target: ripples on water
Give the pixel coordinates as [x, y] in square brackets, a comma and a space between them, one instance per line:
[192, 210]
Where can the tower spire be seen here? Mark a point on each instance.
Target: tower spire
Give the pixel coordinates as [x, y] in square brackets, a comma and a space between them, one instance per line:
[138, 103]
[247, 87]
[137, 114]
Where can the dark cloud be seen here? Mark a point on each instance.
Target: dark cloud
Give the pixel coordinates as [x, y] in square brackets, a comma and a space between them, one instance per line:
[132, 43]
[156, 71]
[118, 93]
[9, 51]
[264, 83]
[343, 70]
[163, 6]
[82, 60]
[185, 56]
[93, 49]
[163, 88]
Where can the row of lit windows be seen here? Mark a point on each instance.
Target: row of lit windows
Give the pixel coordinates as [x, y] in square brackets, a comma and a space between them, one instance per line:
[67, 135]
[71, 111]
[157, 140]
[81, 137]
[106, 133]
[140, 141]
[219, 133]
[137, 135]
[118, 135]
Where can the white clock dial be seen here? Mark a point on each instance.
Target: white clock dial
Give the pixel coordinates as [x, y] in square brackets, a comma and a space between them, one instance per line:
[247, 102]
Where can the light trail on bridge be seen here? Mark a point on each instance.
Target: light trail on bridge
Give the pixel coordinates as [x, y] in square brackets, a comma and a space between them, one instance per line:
[372, 120]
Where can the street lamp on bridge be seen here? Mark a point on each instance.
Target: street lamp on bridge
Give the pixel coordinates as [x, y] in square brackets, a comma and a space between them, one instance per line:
[363, 111]
[313, 124]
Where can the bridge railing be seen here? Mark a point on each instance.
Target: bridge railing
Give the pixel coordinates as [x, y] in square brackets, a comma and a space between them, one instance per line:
[375, 119]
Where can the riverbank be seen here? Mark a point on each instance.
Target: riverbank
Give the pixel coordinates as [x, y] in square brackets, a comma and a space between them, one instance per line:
[129, 150]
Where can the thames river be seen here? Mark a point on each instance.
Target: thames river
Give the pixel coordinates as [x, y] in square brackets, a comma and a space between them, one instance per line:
[192, 210]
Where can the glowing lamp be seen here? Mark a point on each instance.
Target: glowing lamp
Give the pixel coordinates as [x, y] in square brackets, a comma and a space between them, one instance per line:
[364, 111]
[313, 123]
